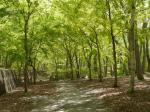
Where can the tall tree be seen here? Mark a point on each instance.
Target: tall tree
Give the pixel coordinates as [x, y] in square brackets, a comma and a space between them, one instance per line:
[113, 43]
[131, 39]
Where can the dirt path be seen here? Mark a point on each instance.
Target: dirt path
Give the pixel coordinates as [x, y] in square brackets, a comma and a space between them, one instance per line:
[70, 98]
[79, 96]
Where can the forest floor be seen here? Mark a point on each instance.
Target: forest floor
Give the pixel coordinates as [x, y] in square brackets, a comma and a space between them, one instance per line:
[119, 99]
[18, 101]
[79, 96]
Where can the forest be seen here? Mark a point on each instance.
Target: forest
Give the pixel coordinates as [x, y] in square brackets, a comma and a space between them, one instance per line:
[74, 55]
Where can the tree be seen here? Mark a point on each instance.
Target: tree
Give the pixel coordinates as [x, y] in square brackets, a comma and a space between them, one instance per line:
[131, 39]
[113, 43]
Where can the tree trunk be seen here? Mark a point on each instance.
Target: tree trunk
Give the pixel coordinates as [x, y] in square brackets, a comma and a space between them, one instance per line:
[69, 54]
[125, 70]
[88, 61]
[147, 54]
[99, 57]
[138, 60]
[26, 54]
[111, 71]
[95, 63]
[105, 66]
[131, 39]
[99, 62]
[113, 45]
[67, 76]
[56, 69]
[126, 67]
[90, 71]
[71, 66]
[144, 49]
[77, 65]
[144, 58]
[34, 75]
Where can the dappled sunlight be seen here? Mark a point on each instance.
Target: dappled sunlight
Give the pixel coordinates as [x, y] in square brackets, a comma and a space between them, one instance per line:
[142, 86]
[100, 91]
[71, 99]
[95, 91]
[109, 95]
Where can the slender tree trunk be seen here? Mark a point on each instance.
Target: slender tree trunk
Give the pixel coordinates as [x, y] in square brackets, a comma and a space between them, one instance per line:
[90, 71]
[95, 63]
[126, 67]
[34, 75]
[80, 64]
[113, 45]
[144, 49]
[67, 68]
[99, 57]
[88, 61]
[26, 54]
[26, 16]
[77, 65]
[138, 60]
[131, 39]
[67, 47]
[56, 69]
[71, 66]
[6, 61]
[147, 54]
[111, 71]
[144, 58]
[99, 62]
[105, 66]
